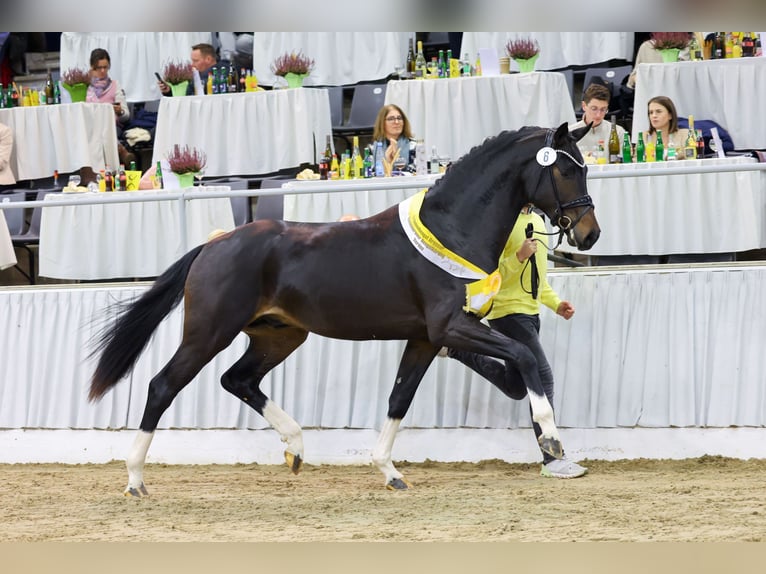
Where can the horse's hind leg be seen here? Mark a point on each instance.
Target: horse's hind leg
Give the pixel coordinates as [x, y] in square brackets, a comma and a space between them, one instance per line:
[269, 345]
[415, 361]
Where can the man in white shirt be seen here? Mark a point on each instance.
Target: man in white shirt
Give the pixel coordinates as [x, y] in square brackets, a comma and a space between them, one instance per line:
[595, 106]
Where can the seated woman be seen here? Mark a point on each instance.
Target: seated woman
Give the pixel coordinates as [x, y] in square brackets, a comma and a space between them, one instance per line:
[664, 118]
[393, 129]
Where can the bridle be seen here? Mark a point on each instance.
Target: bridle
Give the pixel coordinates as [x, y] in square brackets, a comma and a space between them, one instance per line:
[565, 223]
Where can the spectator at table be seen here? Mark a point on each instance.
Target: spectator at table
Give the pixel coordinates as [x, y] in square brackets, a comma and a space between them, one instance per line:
[393, 129]
[595, 106]
[7, 179]
[664, 118]
[203, 58]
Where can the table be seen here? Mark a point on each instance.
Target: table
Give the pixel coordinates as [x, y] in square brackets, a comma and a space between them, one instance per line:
[64, 137]
[482, 106]
[347, 196]
[557, 49]
[135, 56]
[729, 92]
[247, 133]
[665, 214]
[340, 57]
[117, 240]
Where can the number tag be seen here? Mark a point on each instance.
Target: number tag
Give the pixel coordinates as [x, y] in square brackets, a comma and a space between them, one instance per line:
[546, 156]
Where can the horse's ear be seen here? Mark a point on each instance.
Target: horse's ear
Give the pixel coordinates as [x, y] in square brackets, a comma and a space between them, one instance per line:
[579, 133]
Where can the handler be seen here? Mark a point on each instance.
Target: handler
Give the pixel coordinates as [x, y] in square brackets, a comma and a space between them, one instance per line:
[516, 314]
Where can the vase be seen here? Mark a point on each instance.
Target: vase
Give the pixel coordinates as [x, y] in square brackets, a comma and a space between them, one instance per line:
[294, 80]
[180, 88]
[669, 54]
[186, 179]
[527, 65]
[77, 92]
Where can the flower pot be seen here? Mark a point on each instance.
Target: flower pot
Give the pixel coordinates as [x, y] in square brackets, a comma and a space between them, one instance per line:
[505, 65]
[77, 92]
[294, 80]
[180, 88]
[527, 65]
[186, 180]
[669, 54]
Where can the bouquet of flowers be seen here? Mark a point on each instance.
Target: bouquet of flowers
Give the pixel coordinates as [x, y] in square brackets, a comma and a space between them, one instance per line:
[185, 159]
[522, 48]
[292, 63]
[75, 76]
[670, 40]
[177, 72]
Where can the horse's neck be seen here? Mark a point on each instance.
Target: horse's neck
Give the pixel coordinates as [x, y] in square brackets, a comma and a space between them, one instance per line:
[474, 221]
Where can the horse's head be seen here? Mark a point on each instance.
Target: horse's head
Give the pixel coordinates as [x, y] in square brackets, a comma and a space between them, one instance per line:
[561, 190]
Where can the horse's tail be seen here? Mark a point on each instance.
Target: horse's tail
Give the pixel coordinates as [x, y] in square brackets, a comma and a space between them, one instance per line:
[121, 344]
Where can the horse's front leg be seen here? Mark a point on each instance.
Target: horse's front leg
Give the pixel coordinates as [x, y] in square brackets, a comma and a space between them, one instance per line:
[415, 361]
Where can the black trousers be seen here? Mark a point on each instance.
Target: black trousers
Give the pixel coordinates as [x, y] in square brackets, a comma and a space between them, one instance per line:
[526, 330]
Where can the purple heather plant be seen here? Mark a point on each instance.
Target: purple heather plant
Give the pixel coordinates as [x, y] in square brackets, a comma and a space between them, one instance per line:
[292, 63]
[185, 159]
[75, 76]
[522, 48]
[668, 40]
[177, 72]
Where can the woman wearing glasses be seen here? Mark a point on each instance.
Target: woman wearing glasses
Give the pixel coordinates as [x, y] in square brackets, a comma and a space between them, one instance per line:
[595, 106]
[393, 129]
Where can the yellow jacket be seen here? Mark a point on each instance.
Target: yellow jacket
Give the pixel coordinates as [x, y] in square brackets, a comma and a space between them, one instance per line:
[514, 295]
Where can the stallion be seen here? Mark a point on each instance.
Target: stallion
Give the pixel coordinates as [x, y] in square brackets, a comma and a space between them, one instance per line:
[420, 271]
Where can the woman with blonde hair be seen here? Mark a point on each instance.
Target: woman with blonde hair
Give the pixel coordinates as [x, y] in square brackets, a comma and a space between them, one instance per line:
[393, 129]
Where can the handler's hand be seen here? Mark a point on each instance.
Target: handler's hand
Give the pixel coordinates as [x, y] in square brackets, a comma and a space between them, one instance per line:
[566, 310]
[527, 249]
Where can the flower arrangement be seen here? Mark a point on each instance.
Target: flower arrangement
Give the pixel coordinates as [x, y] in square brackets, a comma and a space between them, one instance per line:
[75, 76]
[670, 40]
[177, 72]
[293, 63]
[522, 48]
[185, 159]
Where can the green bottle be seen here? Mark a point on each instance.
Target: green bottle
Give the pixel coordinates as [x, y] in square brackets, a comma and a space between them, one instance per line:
[627, 157]
[640, 150]
[660, 148]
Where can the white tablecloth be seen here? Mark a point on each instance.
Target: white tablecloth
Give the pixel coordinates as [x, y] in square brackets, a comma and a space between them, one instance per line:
[340, 57]
[141, 239]
[664, 214]
[557, 49]
[247, 133]
[458, 113]
[65, 137]
[730, 92]
[135, 56]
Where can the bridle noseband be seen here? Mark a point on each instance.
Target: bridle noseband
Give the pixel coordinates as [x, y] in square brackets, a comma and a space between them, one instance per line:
[563, 222]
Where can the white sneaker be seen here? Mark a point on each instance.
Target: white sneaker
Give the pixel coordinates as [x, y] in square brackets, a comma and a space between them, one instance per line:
[562, 468]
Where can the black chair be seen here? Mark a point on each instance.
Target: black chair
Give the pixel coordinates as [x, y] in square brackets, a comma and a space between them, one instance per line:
[270, 206]
[31, 238]
[612, 78]
[14, 218]
[365, 104]
[336, 106]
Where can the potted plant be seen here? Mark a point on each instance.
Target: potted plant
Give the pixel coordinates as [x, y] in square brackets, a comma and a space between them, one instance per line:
[524, 51]
[185, 162]
[178, 75]
[669, 44]
[76, 81]
[293, 68]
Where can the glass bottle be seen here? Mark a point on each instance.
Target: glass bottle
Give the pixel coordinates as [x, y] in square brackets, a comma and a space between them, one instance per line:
[132, 166]
[49, 99]
[659, 148]
[690, 146]
[695, 51]
[434, 160]
[700, 145]
[109, 179]
[433, 68]
[410, 61]
[357, 162]
[477, 70]
[614, 143]
[747, 45]
[328, 150]
[242, 80]
[122, 179]
[158, 175]
[448, 74]
[627, 156]
[101, 180]
[367, 163]
[420, 62]
[640, 150]
[441, 68]
[56, 93]
[334, 167]
[718, 46]
[466, 65]
[670, 149]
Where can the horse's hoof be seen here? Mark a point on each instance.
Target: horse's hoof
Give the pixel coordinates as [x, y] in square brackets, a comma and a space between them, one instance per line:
[136, 492]
[552, 446]
[294, 461]
[398, 484]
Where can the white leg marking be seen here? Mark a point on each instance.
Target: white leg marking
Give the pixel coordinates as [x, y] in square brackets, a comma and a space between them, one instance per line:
[137, 458]
[289, 430]
[381, 454]
[542, 414]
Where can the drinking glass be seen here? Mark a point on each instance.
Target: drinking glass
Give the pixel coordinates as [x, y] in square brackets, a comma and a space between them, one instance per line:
[399, 164]
[399, 71]
[74, 181]
[198, 176]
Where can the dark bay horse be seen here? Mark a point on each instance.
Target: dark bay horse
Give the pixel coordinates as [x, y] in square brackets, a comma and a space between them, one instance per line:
[360, 280]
